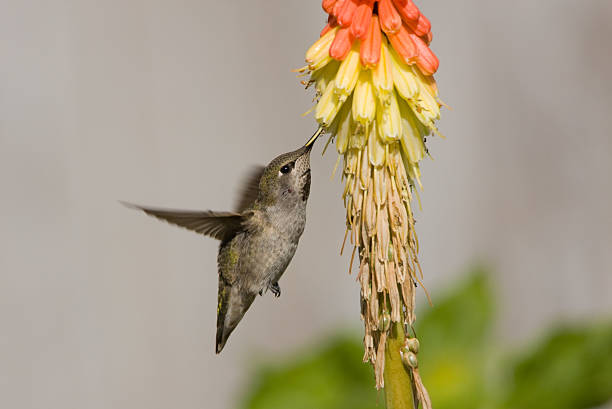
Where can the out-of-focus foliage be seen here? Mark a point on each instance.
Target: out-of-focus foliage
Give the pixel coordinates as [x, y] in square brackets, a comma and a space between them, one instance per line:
[330, 377]
[570, 368]
[454, 337]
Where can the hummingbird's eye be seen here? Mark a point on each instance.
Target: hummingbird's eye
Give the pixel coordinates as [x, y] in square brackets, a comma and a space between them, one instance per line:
[287, 168]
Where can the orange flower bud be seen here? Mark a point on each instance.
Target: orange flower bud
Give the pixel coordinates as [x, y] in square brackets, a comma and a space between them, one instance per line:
[337, 7]
[420, 27]
[361, 19]
[426, 60]
[407, 9]
[341, 45]
[370, 46]
[390, 20]
[403, 44]
[328, 6]
[346, 11]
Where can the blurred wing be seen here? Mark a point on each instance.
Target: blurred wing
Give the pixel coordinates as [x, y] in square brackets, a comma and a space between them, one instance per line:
[218, 225]
[250, 189]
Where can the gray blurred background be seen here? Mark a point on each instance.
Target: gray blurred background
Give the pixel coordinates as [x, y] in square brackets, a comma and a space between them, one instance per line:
[168, 103]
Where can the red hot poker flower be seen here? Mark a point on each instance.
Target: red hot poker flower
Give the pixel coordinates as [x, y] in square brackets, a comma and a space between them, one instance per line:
[373, 73]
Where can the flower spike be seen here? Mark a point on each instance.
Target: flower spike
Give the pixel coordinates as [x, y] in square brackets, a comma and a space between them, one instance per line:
[372, 69]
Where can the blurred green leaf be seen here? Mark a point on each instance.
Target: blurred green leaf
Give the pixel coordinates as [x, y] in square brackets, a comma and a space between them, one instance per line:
[464, 314]
[454, 337]
[570, 369]
[331, 377]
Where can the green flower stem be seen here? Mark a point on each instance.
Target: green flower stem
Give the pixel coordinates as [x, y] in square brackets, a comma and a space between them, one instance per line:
[398, 383]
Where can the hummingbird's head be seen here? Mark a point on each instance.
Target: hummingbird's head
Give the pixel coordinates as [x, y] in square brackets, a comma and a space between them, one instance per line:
[286, 180]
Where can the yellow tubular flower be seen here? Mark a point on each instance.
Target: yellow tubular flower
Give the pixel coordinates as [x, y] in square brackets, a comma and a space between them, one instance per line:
[411, 141]
[429, 104]
[359, 138]
[427, 125]
[328, 105]
[403, 77]
[323, 76]
[364, 104]
[389, 120]
[317, 55]
[375, 147]
[427, 82]
[382, 76]
[347, 75]
[344, 129]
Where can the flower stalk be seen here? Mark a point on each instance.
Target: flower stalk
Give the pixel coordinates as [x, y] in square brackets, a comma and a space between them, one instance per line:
[398, 381]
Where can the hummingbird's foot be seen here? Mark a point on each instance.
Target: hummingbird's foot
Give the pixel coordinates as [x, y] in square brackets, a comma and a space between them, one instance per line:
[275, 288]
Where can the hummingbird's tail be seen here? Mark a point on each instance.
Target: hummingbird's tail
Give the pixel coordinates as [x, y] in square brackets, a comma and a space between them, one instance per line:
[232, 305]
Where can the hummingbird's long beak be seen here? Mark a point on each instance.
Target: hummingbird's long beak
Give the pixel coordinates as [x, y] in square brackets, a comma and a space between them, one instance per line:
[313, 138]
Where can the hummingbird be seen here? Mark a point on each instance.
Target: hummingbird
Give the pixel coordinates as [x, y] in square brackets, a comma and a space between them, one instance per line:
[258, 239]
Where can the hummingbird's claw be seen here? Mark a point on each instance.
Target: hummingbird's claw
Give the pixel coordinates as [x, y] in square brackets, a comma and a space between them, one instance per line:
[275, 288]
